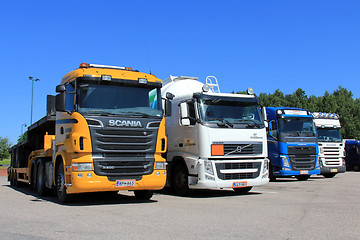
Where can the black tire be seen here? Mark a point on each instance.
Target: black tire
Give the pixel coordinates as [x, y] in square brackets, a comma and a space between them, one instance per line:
[302, 177]
[329, 175]
[356, 167]
[11, 179]
[143, 194]
[33, 177]
[60, 185]
[180, 182]
[15, 181]
[271, 174]
[242, 190]
[40, 179]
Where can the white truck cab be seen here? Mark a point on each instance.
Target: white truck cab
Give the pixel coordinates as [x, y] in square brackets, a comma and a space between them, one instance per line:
[215, 140]
[331, 146]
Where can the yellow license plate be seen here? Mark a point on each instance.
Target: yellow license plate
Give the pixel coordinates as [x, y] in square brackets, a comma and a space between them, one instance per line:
[304, 172]
[333, 170]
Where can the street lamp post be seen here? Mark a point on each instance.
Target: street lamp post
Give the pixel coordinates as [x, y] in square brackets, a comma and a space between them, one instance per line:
[32, 96]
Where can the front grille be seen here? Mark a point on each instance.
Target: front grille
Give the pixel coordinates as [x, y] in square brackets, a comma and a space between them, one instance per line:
[332, 156]
[123, 140]
[243, 149]
[237, 176]
[302, 157]
[120, 152]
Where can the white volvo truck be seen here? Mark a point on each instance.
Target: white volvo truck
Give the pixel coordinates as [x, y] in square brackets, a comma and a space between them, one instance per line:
[331, 146]
[215, 140]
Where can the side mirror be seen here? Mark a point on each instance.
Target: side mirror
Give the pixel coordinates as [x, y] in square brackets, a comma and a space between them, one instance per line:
[184, 111]
[60, 88]
[60, 102]
[185, 122]
[184, 114]
[273, 129]
[170, 96]
[167, 108]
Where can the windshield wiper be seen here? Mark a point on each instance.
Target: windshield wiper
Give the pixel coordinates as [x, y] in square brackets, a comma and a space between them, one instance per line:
[101, 113]
[138, 114]
[250, 125]
[223, 122]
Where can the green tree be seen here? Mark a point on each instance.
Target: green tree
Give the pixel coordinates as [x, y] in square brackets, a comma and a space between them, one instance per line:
[22, 137]
[4, 148]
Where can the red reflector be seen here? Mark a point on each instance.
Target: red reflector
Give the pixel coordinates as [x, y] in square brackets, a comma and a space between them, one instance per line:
[128, 68]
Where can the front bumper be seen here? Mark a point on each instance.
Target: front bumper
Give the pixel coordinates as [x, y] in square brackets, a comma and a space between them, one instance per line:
[331, 170]
[95, 183]
[283, 173]
[206, 181]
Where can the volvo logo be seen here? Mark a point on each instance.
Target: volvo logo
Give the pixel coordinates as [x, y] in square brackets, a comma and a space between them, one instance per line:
[238, 149]
[124, 123]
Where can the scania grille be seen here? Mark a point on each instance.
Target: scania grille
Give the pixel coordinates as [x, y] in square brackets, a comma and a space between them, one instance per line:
[302, 157]
[237, 166]
[119, 152]
[124, 140]
[331, 155]
[243, 149]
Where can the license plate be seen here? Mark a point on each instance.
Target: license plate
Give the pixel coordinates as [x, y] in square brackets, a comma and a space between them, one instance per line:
[333, 170]
[125, 183]
[239, 184]
[304, 172]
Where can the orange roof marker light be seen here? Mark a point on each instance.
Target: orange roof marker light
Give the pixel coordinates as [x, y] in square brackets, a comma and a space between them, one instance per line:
[87, 65]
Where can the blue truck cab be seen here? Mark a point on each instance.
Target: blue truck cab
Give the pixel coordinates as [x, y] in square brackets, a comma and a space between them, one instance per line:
[352, 149]
[292, 143]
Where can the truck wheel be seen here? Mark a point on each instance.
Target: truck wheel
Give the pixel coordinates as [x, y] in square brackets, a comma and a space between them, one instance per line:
[11, 178]
[242, 190]
[40, 177]
[302, 177]
[180, 182]
[33, 178]
[271, 173]
[143, 194]
[60, 185]
[329, 175]
[356, 167]
[15, 181]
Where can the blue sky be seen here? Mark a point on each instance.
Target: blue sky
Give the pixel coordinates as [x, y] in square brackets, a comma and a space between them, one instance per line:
[268, 45]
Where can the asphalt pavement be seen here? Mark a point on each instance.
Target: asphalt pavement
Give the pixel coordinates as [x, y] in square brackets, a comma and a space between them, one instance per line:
[319, 208]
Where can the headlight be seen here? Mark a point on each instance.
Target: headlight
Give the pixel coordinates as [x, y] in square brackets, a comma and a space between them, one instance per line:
[266, 165]
[208, 167]
[285, 161]
[160, 165]
[77, 167]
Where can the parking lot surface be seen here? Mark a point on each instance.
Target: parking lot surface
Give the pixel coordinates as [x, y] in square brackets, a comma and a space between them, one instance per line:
[319, 208]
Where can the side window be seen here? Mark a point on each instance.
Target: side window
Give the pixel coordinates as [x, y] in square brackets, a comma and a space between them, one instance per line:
[70, 96]
[192, 115]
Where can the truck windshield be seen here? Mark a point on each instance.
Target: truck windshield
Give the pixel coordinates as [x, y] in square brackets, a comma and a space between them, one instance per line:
[119, 100]
[297, 127]
[329, 135]
[230, 112]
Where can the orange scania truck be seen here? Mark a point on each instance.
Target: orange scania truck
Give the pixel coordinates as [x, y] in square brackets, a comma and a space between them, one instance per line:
[103, 131]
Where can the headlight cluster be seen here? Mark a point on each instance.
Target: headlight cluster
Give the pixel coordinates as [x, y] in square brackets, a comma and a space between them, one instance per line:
[79, 167]
[160, 165]
[208, 167]
[266, 165]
